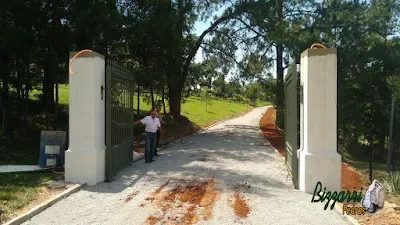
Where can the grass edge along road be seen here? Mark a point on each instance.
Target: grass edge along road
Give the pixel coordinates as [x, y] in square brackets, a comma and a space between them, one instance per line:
[19, 190]
[352, 177]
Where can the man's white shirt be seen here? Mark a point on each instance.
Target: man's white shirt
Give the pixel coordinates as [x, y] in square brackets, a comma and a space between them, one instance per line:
[152, 125]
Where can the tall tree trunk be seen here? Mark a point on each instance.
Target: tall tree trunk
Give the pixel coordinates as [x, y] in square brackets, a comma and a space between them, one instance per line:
[43, 93]
[19, 93]
[138, 100]
[223, 88]
[152, 98]
[163, 99]
[46, 107]
[48, 92]
[26, 93]
[56, 104]
[5, 107]
[175, 87]
[179, 66]
[26, 110]
[175, 96]
[279, 86]
[279, 69]
[4, 92]
[49, 88]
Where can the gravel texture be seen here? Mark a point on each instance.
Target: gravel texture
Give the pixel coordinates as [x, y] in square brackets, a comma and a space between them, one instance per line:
[230, 152]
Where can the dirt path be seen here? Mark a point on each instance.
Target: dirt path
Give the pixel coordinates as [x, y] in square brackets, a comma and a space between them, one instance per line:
[225, 175]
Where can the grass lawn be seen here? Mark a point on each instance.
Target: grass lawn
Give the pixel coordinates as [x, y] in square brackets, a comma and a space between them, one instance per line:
[18, 189]
[63, 94]
[193, 108]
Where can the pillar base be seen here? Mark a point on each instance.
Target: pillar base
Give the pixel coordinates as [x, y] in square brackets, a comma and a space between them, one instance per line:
[85, 166]
[325, 168]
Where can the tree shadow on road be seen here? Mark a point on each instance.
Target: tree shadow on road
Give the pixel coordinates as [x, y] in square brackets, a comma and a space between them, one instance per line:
[230, 155]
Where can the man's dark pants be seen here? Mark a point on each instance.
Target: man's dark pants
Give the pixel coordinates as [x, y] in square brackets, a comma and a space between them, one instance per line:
[150, 145]
[158, 140]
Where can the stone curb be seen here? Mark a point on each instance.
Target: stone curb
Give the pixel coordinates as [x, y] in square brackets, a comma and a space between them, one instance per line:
[40, 208]
[350, 220]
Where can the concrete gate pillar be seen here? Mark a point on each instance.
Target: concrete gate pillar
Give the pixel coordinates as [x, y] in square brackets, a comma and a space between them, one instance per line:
[85, 158]
[319, 160]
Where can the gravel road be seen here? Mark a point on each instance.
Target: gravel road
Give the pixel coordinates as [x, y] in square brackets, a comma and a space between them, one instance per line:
[195, 182]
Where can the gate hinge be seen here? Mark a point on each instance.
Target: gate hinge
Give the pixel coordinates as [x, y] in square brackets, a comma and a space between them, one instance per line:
[102, 88]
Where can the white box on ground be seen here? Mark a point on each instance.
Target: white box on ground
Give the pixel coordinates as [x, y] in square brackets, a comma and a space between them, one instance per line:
[319, 160]
[85, 158]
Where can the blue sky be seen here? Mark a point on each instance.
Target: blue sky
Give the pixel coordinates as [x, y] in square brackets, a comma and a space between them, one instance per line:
[200, 26]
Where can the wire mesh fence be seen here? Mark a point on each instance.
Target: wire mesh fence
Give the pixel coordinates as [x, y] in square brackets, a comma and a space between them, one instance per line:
[369, 133]
[393, 147]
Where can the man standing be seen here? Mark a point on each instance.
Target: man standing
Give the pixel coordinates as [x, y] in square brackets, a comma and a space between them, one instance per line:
[152, 124]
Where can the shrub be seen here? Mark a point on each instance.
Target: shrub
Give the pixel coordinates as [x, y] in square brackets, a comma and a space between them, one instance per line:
[237, 98]
[392, 183]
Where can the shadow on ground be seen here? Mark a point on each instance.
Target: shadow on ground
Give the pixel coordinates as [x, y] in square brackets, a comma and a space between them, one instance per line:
[222, 152]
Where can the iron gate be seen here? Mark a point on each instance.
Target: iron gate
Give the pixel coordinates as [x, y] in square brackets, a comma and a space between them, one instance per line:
[119, 118]
[292, 123]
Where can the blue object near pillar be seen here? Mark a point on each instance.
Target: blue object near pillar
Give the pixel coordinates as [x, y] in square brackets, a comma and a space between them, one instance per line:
[52, 148]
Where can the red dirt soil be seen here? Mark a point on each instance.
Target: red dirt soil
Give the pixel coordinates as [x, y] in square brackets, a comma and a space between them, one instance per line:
[131, 196]
[271, 132]
[153, 220]
[240, 206]
[195, 202]
[350, 178]
[161, 187]
[388, 215]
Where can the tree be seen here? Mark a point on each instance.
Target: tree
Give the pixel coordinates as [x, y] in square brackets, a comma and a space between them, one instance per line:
[206, 97]
[361, 37]
[186, 48]
[36, 39]
[252, 92]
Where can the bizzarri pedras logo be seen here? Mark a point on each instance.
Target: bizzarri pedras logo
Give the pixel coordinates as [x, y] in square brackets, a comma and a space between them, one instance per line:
[348, 196]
